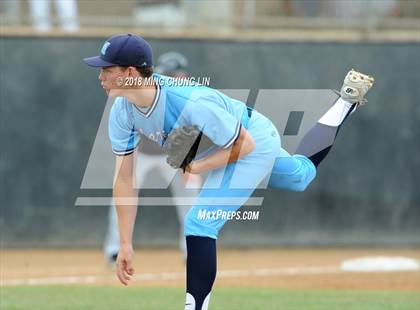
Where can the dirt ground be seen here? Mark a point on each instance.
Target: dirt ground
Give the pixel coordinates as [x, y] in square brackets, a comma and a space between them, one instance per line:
[277, 268]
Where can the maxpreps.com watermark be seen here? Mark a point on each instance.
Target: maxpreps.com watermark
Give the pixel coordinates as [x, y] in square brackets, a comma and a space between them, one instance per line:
[131, 81]
[228, 215]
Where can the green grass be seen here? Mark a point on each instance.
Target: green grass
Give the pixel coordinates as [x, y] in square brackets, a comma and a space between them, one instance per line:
[115, 298]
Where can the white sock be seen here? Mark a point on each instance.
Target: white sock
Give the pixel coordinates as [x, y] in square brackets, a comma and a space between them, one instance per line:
[206, 301]
[336, 114]
[190, 302]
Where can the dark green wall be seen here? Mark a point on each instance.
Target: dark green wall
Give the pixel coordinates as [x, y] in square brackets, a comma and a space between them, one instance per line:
[367, 192]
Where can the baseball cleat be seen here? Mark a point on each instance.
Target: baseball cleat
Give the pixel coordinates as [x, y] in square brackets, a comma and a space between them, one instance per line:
[355, 87]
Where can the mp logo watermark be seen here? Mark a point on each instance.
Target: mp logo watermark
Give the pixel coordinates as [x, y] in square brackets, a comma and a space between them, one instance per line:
[293, 112]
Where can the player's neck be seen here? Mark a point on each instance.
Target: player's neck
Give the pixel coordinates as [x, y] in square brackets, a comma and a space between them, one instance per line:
[143, 97]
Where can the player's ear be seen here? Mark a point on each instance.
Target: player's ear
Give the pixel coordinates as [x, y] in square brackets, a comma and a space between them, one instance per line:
[131, 71]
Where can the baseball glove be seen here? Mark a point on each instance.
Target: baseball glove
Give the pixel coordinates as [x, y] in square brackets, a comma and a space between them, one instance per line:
[181, 146]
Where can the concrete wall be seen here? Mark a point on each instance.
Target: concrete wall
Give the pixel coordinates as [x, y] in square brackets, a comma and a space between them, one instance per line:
[367, 192]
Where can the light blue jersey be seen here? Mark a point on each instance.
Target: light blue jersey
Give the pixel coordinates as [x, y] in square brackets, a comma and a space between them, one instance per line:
[220, 118]
[217, 115]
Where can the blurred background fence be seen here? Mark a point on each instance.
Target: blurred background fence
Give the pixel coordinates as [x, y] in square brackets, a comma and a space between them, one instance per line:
[213, 15]
[367, 193]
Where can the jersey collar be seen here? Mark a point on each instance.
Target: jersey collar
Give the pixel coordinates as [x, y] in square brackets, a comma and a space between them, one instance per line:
[147, 112]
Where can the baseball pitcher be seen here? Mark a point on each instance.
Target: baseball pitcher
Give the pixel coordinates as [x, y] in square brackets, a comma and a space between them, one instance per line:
[246, 149]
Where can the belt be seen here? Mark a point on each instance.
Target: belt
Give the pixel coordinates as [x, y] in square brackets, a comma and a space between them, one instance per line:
[246, 116]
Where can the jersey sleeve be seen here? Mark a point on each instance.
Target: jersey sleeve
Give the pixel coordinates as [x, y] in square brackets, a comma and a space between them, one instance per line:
[221, 127]
[124, 138]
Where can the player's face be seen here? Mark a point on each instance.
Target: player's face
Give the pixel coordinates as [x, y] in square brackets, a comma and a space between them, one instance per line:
[109, 77]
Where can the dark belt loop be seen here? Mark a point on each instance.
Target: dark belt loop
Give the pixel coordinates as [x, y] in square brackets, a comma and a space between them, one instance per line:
[249, 109]
[246, 117]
